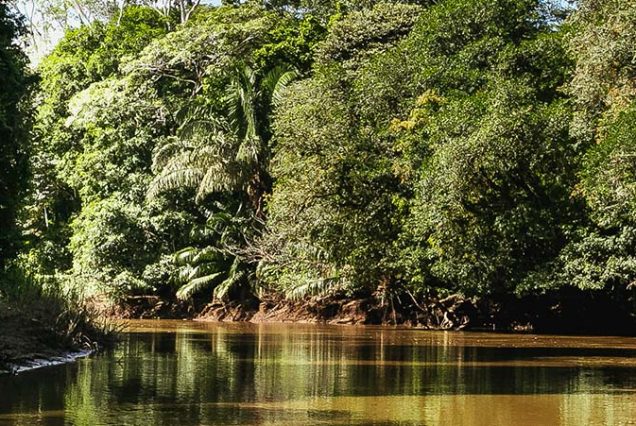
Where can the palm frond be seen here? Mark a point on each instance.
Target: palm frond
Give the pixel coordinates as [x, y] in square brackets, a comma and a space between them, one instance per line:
[165, 153]
[185, 256]
[197, 285]
[234, 278]
[240, 99]
[209, 254]
[232, 102]
[219, 219]
[192, 272]
[201, 125]
[249, 151]
[218, 179]
[278, 82]
[204, 164]
[173, 179]
[312, 287]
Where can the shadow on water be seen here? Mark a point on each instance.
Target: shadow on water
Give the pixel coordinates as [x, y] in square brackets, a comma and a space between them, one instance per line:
[167, 373]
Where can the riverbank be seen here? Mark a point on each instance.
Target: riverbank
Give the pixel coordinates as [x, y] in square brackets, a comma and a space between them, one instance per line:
[568, 311]
[35, 335]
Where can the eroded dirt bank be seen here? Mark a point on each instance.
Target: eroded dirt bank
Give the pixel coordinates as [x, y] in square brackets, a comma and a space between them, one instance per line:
[565, 312]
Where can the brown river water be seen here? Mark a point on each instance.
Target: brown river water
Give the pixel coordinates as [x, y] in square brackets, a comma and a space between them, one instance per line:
[193, 373]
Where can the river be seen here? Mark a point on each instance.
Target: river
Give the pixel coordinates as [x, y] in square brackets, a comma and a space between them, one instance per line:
[193, 373]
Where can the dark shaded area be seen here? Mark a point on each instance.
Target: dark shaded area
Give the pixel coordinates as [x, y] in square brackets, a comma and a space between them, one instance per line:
[567, 311]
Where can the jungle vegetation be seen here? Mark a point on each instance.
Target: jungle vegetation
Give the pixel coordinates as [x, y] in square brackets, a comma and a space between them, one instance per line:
[480, 147]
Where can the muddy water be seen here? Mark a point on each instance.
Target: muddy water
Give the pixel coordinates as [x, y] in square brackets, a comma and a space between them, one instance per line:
[186, 373]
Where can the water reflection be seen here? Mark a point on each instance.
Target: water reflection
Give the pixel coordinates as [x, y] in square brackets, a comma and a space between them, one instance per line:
[183, 373]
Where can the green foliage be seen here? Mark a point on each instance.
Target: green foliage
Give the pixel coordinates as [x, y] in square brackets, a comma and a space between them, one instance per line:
[33, 309]
[218, 261]
[76, 124]
[222, 149]
[125, 100]
[332, 211]
[113, 241]
[95, 132]
[600, 256]
[608, 176]
[94, 52]
[479, 146]
[292, 42]
[492, 208]
[365, 32]
[14, 85]
[603, 42]
[455, 175]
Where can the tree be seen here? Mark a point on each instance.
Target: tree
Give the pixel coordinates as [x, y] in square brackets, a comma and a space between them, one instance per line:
[221, 150]
[602, 42]
[47, 18]
[331, 216]
[67, 157]
[226, 154]
[492, 206]
[455, 175]
[14, 119]
[603, 90]
[197, 97]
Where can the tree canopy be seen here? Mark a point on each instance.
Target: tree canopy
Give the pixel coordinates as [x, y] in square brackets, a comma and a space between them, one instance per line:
[481, 147]
[14, 118]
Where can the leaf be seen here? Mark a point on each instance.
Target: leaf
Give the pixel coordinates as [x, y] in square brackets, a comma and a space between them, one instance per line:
[197, 285]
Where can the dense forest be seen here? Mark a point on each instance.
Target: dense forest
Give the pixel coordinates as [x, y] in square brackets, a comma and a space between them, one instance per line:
[404, 152]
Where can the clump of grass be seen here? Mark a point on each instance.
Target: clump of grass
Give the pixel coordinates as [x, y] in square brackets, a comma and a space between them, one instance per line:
[44, 315]
[80, 323]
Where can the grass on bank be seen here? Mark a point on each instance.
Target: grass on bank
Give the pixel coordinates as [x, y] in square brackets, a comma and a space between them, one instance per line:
[43, 318]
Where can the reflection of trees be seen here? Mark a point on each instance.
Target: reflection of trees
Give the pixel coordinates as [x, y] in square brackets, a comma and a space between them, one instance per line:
[211, 373]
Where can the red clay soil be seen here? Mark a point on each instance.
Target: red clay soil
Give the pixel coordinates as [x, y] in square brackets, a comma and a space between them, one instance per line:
[450, 313]
[454, 312]
[143, 307]
[564, 312]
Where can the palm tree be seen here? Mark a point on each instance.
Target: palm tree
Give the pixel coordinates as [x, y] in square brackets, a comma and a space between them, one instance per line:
[218, 267]
[226, 154]
[223, 155]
